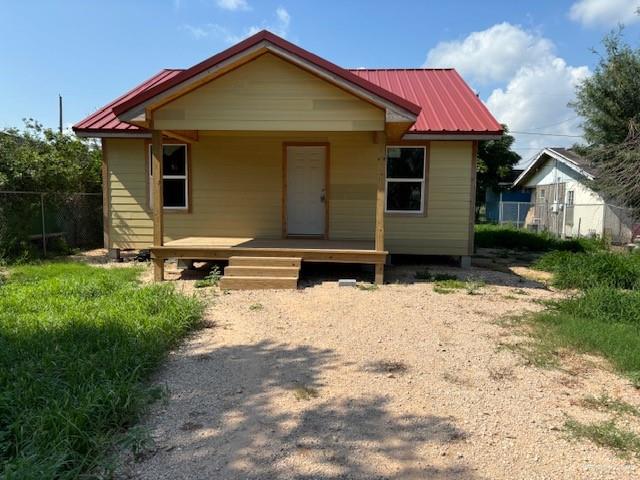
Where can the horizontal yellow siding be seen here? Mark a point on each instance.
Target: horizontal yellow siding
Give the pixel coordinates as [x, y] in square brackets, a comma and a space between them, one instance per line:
[237, 191]
[444, 229]
[131, 224]
[269, 94]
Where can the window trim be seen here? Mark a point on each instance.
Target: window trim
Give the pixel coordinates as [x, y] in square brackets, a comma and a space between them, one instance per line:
[185, 177]
[422, 181]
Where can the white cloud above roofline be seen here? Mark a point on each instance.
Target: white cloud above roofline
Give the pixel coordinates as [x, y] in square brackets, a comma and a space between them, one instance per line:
[605, 13]
[531, 84]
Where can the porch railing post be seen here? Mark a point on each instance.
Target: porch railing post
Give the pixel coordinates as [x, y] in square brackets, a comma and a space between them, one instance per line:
[379, 233]
[158, 201]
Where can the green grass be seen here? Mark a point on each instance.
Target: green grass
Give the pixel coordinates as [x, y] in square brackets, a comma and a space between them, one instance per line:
[588, 270]
[604, 403]
[602, 320]
[606, 434]
[77, 344]
[500, 236]
[451, 284]
[212, 278]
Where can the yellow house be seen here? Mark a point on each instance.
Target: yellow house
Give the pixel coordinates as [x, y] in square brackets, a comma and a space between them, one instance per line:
[268, 155]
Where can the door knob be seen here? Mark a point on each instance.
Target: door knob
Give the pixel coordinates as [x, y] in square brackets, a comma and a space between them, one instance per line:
[322, 196]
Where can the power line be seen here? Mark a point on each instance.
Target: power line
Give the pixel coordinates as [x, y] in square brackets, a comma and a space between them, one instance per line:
[556, 124]
[546, 134]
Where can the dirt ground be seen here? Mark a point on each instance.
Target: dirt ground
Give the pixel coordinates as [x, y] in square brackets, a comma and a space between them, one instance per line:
[399, 382]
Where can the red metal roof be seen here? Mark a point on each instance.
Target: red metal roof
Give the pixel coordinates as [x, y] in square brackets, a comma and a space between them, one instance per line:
[448, 104]
[442, 100]
[105, 120]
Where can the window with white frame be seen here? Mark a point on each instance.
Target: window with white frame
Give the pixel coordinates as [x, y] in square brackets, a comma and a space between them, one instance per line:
[405, 183]
[174, 176]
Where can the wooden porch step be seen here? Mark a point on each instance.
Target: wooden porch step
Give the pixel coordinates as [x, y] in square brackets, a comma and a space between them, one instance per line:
[265, 261]
[260, 271]
[258, 283]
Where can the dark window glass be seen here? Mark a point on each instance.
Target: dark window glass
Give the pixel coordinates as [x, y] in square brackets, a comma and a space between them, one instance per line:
[175, 192]
[405, 162]
[404, 196]
[174, 163]
[174, 160]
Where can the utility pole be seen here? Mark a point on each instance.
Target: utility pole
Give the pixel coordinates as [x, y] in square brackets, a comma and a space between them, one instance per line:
[60, 112]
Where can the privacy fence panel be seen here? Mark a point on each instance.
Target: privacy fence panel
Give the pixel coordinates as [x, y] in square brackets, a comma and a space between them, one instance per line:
[570, 220]
[41, 223]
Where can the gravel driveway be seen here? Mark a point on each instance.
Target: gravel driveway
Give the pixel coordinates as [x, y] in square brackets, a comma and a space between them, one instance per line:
[400, 382]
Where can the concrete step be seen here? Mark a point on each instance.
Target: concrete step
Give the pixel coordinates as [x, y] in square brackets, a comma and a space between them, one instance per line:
[260, 271]
[258, 283]
[265, 261]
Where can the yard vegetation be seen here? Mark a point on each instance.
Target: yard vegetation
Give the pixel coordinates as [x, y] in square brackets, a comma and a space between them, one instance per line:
[504, 237]
[601, 316]
[604, 316]
[77, 345]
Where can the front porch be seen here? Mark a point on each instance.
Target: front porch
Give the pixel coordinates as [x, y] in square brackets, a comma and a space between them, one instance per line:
[300, 249]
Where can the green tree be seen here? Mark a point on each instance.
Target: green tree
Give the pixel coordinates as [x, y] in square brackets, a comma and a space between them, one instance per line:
[495, 163]
[609, 102]
[40, 159]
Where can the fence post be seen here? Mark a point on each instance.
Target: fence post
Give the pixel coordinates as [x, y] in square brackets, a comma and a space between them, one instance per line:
[44, 233]
[518, 217]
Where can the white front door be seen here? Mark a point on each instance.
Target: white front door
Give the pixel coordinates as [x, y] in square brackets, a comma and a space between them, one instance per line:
[306, 190]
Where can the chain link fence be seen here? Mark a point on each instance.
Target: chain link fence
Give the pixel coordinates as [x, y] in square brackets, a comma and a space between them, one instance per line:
[615, 224]
[42, 223]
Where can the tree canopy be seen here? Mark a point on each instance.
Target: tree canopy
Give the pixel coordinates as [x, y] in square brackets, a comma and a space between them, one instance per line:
[40, 159]
[609, 102]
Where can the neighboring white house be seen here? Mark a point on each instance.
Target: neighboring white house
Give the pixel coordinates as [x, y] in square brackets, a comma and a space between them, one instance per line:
[563, 202]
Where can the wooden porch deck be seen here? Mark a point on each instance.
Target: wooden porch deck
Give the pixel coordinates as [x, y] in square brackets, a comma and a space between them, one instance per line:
[309, 250]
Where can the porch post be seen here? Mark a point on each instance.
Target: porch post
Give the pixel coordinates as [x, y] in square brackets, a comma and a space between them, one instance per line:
[158, 201]
[379, 234]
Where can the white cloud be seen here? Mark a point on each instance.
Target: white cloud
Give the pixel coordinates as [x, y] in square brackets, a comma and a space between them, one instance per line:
[533, 84]
[233, 4]
[279, 27]
[283, 17]
[491, 55]
[606, 13]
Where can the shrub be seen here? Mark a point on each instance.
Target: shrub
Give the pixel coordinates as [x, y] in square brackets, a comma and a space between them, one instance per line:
[498, 236]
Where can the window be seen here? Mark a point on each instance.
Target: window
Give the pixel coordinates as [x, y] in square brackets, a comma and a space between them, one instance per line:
[570, 197]
[541, 194]
[405, 179]
[174, 177]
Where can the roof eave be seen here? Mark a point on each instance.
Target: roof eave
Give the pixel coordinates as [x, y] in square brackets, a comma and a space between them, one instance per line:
[251, 47]
[457, 135]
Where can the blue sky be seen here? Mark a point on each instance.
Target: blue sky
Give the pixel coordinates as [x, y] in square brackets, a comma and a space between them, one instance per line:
[524, 58]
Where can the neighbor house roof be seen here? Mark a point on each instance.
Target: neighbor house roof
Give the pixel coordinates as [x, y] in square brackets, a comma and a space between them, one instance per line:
[441, 102]
[564, 155]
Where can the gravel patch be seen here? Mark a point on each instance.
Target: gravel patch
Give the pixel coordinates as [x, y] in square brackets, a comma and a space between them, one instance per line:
[400, 382]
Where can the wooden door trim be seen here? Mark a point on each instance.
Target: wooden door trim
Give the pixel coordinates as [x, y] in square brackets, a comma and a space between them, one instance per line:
[327, 184]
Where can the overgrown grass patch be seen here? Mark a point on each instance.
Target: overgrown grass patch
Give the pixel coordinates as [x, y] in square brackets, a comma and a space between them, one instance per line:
[500, 236]
[602, 320]
[604, 403]
[606, 434]
[588, 270]
[77, 344]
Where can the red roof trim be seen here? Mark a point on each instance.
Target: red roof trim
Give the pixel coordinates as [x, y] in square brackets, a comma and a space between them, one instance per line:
[265, 35]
